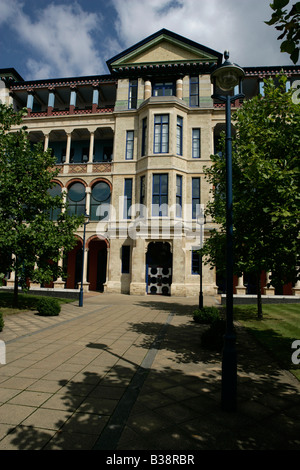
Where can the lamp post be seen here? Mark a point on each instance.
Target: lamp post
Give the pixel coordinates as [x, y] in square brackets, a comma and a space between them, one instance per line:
[86, 221]
[226, 77]
[201, 222]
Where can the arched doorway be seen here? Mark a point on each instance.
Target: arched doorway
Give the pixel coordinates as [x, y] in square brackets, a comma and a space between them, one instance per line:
[159, 268]
[97, 264]
[73, 263]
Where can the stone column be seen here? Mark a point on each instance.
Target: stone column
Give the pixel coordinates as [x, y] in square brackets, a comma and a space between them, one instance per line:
[68, 151]
[46, 142]
[179, 88]
[268, 290]
[51, 101]
[240, 288]
[73, 97]
[148, 89]
[91, 150]
[296, 289]
[59, 283]
[95, 100]
[178, 286]
[85, 264]
[138, 257]
[29, 104]
[87, 200]
[64, 192]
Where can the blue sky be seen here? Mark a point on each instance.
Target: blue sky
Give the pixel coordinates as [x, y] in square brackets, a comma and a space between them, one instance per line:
[60, 38]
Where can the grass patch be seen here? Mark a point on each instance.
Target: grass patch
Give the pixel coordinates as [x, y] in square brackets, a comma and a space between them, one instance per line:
[278, 329]
[25, 302]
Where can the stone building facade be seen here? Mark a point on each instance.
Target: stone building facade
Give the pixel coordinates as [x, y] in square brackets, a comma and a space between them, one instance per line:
[131, 147]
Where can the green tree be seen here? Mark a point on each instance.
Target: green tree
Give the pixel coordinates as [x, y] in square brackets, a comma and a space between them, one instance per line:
[266, 189]
[287, 22]
[26, 229]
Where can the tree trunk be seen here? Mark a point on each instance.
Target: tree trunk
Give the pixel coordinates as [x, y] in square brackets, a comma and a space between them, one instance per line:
[259, 301]
[16, 285]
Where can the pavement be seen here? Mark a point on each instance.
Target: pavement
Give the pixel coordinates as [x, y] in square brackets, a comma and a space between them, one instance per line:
[128, 373]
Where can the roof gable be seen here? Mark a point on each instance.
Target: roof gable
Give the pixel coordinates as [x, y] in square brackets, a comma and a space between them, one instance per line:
[164, 47]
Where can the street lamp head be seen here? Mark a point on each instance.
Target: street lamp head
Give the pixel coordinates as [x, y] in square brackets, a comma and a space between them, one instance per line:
[227, 75]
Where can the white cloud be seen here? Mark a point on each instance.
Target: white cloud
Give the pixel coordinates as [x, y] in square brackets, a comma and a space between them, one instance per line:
[61, 40]
[7, 10]
[219, 24]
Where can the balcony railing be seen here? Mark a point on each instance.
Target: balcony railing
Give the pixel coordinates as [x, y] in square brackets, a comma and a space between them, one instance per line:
[76, 168]
[69, 112]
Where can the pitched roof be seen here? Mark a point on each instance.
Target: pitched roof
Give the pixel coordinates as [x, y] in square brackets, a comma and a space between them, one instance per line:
[163, 48]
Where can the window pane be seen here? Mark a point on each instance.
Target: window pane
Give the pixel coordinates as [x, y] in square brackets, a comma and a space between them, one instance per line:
[76, 192]
[164, 184]
[156, 184]
[101, 192]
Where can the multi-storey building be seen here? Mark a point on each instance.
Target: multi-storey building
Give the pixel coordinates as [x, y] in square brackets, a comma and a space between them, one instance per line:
[131, 147]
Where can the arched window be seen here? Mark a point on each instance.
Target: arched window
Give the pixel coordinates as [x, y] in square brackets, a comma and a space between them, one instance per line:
[54, 192]
[76, 199]
[100, 201]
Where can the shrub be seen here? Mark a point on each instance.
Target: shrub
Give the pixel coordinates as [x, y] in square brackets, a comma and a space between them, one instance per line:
[213, 337]
[1, 321]
[206, 315]
[48, 307]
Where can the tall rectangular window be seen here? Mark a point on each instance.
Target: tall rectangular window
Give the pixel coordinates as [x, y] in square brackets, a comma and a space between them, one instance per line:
[127, 197]
[142, 195]
[195, 262]
[129, 145]
[161, 133]
[132, 96]
[196, 147]
[194, 91]
[179, 135]
[125, 259]
[144, 137]
[178, 196]
[160, 195]
[195, 197]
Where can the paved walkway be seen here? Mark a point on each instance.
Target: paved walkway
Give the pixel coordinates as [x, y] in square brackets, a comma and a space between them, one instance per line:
[128, 373]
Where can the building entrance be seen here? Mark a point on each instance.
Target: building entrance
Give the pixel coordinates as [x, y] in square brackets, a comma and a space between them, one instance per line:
[159, 268]
[97, 265]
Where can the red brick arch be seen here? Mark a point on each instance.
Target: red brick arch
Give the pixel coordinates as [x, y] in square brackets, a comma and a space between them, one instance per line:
[98, 180]
[76, 180]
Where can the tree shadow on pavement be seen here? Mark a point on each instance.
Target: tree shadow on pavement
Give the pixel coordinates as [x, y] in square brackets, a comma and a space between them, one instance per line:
[174, 405]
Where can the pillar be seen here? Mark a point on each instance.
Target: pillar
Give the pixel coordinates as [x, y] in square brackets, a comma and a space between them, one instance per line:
[296, 289]
[46, 142]
[268, 290]
[95, 100]
[73, 97]
[64, 192]
[85, 284]
[87, 200]
[240, 288]
[30, 102]
[68, 152]
[59, 283]
[179, 88]
[91, 150]
[138, 257]
[51, 101]
[148, 89]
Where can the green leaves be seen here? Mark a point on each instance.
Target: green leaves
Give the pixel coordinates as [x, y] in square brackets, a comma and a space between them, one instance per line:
[26, 175]
[288, 24]
[266, 187]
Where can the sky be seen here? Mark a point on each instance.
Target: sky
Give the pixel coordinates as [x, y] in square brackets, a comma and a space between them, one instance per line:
[43, 39]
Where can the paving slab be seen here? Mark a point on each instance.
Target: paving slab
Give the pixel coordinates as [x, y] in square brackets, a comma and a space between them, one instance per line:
[128, 373]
